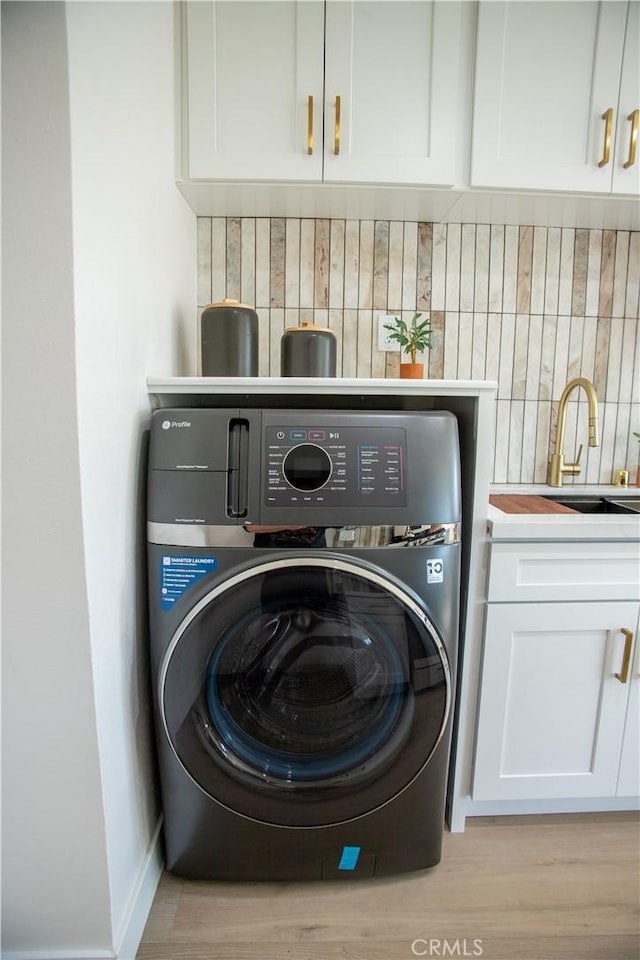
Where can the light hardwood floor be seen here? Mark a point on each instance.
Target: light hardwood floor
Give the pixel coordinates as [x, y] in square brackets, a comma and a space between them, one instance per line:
[510, 888]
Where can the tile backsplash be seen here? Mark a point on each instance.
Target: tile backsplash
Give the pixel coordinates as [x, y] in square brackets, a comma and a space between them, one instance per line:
[529, 307]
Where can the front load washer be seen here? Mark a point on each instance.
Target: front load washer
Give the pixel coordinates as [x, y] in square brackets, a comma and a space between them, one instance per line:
[304, 579]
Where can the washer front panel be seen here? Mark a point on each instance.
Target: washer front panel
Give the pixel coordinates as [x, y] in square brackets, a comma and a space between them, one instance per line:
[280, 467]
[305, 691]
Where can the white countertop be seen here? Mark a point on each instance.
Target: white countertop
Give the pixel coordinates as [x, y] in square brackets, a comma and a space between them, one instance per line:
[562, 526]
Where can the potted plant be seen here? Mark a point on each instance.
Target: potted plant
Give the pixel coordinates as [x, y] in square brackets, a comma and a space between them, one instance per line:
[413, 338]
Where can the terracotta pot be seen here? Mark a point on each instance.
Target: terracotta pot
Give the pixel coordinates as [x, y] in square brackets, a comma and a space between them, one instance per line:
[411, 371]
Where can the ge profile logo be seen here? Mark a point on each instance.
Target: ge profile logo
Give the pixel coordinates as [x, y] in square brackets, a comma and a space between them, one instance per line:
[177, 424]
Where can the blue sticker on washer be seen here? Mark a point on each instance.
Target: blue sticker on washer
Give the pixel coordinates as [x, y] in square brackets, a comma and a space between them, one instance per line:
[349, 858]
[178, 573]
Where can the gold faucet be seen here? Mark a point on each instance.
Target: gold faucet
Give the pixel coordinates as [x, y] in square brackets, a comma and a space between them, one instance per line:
[557, 466]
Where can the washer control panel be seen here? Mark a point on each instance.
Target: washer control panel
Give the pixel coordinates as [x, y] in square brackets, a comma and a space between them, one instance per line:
[334, 464]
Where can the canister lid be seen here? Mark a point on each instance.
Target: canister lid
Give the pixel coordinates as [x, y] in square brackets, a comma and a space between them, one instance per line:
[309, 327]
[231, 303]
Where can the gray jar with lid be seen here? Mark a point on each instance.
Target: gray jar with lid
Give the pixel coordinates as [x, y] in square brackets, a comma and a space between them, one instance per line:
[229, 340]
[308, 351]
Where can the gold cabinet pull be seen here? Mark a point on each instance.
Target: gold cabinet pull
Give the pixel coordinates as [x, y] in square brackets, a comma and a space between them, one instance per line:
[607, 116]
[623, 676]
[633, 143]
[310, 125]
[337, 129]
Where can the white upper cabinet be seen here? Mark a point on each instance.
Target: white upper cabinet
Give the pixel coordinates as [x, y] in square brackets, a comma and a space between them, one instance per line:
[264, 86]
[253, 74]
[396, 68]
[626, 167]
[549, 111]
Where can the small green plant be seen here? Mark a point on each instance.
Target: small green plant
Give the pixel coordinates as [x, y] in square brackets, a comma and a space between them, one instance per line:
[413, 337]
[637, 436]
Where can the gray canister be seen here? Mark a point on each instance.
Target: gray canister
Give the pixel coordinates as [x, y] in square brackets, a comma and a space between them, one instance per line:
[229, 340]
[308, 351]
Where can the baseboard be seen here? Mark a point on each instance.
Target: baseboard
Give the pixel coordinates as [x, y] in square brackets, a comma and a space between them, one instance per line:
[128, 939]
[58, 955]
[508, 808]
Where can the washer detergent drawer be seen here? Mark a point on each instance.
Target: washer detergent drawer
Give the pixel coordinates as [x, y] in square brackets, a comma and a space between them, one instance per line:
[189, 498]
[199, 467]
[191, 439]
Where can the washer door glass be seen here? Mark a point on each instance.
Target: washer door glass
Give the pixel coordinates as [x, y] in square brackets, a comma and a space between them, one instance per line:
[308, 677]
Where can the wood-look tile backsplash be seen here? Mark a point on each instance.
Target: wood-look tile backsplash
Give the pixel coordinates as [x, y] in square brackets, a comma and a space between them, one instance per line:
[529, 307]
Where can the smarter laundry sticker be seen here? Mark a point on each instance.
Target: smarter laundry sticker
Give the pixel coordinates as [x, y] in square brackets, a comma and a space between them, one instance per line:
[178, 573]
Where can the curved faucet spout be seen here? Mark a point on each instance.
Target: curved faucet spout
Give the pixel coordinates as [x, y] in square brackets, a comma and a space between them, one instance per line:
[557, 466]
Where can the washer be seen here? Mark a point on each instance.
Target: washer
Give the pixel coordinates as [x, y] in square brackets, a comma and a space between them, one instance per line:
[304, 581]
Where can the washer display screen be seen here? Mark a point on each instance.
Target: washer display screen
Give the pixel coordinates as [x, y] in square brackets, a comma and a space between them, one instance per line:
[307, 467]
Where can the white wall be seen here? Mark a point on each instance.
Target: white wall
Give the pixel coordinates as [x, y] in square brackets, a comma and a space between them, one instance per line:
[135, 262]
[54, 858]
[127, 308]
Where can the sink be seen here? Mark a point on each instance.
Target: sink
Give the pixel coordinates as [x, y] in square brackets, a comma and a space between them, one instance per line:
[627, 504]
[587, 504]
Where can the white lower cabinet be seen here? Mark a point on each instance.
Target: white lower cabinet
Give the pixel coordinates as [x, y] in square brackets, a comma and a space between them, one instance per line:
[559, 711]
[629, 778]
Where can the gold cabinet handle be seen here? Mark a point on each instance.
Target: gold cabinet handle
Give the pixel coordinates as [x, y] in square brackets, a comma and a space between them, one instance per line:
[310, 125]
[607, 116]
[623, 676]
[336, 149]
[633, 143]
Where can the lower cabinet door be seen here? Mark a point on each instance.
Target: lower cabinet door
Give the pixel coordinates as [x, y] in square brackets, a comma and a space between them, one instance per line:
[629, 777]
[552, 711]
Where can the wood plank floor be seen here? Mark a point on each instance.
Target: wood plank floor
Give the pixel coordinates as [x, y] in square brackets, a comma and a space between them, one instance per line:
[510, 888]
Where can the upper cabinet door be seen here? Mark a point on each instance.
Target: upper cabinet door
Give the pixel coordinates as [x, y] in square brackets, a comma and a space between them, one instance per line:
[395, 67]
[626, 170]
[250, 69]
[546, 75]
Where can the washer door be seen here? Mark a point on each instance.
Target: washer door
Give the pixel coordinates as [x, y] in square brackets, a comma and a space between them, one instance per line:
[305, 691]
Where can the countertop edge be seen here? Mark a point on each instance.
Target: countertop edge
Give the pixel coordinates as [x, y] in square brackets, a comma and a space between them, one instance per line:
[324, 385]
[560, 526]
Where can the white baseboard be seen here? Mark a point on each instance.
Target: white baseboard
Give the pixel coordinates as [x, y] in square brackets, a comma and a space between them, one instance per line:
[58, 955]
[130, 934]
[507, 808]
